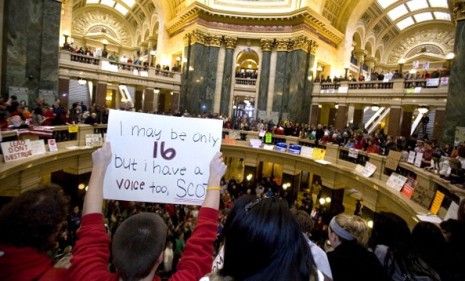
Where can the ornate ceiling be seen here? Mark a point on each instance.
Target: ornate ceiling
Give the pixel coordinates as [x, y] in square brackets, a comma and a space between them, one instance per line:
[388, 28]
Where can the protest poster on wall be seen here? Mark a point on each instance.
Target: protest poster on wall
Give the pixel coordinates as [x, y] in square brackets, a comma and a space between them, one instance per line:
[437, 201]
[408, 188]
[160, 158]
[16, 150]
[393, 159]
[396, 181]
[411, 157]
[52, 145]
[365, 171]
[38, 147]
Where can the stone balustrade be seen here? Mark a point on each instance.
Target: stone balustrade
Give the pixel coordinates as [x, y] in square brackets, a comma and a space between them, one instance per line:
[337, 171]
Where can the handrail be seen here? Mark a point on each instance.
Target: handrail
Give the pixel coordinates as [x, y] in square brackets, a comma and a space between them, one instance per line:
[246, 81]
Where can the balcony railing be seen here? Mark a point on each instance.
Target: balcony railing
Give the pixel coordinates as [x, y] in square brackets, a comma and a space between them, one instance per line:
[113, 66]
[246, 81]
[371, 85]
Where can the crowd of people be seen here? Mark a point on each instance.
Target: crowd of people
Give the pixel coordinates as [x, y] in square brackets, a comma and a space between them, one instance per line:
[245, 231]
[387, 76]
[138, 61]
[15, 114]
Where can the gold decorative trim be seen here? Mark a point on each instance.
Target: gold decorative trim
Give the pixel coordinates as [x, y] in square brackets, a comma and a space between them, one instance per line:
[304, 19]
[313, 47]
[266, 44]
[215, 41]
[459, 10]
[282, 45]
[230, 42]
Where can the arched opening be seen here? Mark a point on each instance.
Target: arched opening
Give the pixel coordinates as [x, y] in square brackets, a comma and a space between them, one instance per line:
[247, 63]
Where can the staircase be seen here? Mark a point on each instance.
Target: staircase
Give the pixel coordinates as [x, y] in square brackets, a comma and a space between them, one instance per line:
[417, 127]
[379, 117]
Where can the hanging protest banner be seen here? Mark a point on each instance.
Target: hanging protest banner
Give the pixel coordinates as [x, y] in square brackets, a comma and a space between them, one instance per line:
[159, 158]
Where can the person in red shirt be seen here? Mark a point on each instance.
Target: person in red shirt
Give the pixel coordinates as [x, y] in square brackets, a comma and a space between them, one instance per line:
[29, 228]
[138, 243]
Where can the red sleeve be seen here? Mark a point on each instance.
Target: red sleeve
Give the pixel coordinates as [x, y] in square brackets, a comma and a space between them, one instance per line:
[91, 252]
[197, 258]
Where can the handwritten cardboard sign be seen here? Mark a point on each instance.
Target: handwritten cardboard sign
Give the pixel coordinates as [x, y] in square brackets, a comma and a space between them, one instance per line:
[16, 150]
[396, 181]
[418, 159]
[365, 171]
[437, 201]
[393, 159]
[411, 157]
[160, 158]
[38, 147]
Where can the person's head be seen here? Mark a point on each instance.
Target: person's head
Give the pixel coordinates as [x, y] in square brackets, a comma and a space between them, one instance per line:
[390, 230]
[264, 242]
[345, 228]
[427, 239]
[34, 218]
[138, 245]
[304, 221]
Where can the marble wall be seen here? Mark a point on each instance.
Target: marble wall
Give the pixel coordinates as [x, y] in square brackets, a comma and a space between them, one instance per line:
[264, 81]
[227, 80]
[199, 84]
[292, 96]
[30, 46]
[455, 108]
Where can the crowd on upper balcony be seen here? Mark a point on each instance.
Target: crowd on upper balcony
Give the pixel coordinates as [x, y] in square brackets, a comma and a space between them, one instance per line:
[139, 61]
[387, 76]
[246, 74]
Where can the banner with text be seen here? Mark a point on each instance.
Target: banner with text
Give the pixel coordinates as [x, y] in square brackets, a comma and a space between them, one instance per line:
[159, 158]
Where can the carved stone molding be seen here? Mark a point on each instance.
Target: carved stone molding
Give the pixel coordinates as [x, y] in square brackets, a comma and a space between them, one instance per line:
[442, 39]
[215, 41]
[313, 47]
[300, 43]
[360, 55]
[282, 45]
[230, 42]
[266, 44]
[92, 22]
[459, 10]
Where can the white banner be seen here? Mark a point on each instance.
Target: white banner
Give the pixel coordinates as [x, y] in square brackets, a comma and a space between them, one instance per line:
[160, 158]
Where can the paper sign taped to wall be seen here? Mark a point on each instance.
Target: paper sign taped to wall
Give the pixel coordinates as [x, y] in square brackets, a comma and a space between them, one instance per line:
[159, 158]
[16, 150]
[393, 159]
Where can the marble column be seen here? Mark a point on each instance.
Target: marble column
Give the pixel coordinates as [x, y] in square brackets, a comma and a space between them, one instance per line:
[341, 116]
[148, 100]
[455, 108]
[291, 191]
[394, 125]
[293, 87]
[281, 86]
[66, 22]
[199, 79]
[266, 45]
[269, 100]
[315, 115]
[63, 91]
[219, 79]
[101, 94]
[438, 127]
[406, 122]
[358, 117]
[31, 48]
[230, 43]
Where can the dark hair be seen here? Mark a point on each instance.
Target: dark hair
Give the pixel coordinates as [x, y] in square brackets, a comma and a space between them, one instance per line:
[137, 244]
[263, 242]
[392, 231]
[429, 243]
[34, 218]
[304, 221]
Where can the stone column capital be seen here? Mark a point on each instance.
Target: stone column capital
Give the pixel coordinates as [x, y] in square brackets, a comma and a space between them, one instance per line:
[282, 45]
[215, 41]
[230, 42]
[300, 43]
[360, 55]
[196, 36]
[370, 61]
[458, 10]
[266, 44]
[313, 47]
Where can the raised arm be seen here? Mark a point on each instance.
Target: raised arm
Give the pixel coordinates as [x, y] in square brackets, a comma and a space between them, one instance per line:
[94, 196]
[197, 258]
[91, 252]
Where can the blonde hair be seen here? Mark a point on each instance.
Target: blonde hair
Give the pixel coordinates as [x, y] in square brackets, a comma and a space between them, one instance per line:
[356, 226]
